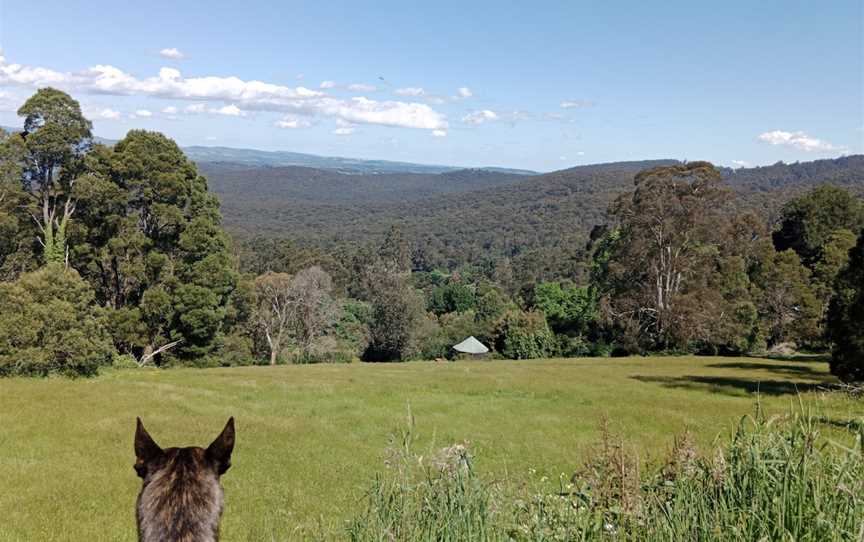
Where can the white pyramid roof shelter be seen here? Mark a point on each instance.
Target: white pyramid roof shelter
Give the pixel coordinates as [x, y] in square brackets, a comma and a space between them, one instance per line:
[471, 346]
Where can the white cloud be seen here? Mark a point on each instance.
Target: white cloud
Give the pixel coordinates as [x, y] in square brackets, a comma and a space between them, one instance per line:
[229, 110]
[439, 133]
[479, 117]
[327, 84]
[109, 114]
[292, 122]
[170, 110]
[143, 113]
[464, 92]
[573, 104]
[362, 87]
[172, 52]
[195, 108]
[246, 95]
[740, 163]
[797, 140]
[410, 91]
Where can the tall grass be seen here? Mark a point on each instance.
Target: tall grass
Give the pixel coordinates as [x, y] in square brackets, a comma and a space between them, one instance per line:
[425, 498]
[773, 478]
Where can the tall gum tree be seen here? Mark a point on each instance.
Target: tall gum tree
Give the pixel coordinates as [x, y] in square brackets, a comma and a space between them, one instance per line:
[666, 227]
[56, 136]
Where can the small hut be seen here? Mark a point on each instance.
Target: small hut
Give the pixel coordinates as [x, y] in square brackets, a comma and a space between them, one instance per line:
[471, 346]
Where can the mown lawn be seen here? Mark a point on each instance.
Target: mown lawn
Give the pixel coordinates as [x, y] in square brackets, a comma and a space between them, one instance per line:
[310, 438]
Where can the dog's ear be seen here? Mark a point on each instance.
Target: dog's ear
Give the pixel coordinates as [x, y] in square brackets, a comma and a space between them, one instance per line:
[219, 451]
[146, 449]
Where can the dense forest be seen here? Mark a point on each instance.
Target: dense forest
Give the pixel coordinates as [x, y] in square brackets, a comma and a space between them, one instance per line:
[117, 254]
[467, 217]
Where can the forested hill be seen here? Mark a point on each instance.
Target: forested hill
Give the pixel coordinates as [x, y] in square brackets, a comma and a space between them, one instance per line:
[311, 185]
[469, 215]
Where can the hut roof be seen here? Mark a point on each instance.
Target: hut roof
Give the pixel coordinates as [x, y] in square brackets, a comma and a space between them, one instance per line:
[471, 346]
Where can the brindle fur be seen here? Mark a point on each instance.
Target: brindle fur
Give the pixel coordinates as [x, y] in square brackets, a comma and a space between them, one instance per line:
[181, 498]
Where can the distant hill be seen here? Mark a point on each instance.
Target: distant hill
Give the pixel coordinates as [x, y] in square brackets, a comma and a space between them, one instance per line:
[251, 157]
[316, 186]
[471, 215]
[257, 158]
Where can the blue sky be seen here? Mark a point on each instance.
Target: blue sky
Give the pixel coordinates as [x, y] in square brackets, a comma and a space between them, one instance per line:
[542, 85]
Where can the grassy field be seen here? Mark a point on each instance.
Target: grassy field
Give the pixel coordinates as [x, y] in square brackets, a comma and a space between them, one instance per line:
[310, 438]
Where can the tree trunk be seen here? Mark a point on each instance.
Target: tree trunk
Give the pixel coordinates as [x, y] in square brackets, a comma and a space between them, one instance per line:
[272, 357]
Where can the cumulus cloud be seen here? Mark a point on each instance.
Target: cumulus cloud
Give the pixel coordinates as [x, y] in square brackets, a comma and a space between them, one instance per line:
[143, 113]
[170, 110]
[362, 87]
[439, 133]
[292, 122]
[244, 95]
[109, 114]
[574, 104]
[797, 140]
[229, 110]
[327, 84]
[464, 92]
[172, 52]
[410, 91]
[479, 117]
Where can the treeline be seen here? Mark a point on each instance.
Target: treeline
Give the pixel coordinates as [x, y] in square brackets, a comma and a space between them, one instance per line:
[116, 255]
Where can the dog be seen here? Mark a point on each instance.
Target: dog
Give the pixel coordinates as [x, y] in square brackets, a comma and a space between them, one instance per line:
[181, 498]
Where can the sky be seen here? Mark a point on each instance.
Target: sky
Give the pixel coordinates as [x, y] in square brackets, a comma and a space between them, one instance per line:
[534, 85]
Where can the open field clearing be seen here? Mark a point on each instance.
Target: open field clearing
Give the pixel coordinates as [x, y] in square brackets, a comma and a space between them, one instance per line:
[310, 438]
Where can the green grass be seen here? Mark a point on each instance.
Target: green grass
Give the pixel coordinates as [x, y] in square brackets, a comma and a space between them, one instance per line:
[311, 438]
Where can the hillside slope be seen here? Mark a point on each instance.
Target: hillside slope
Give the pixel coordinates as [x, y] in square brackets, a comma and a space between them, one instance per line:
[469, 216]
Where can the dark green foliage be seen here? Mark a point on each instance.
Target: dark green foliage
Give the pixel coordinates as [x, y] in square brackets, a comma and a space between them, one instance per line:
[18, 248]
[398, 317]
[352, 327]
[808, 222]
[524, 335]
[568, 308]
[148, 238]
[50, 325]
[846, 318]
[787, 302]
[451, 297]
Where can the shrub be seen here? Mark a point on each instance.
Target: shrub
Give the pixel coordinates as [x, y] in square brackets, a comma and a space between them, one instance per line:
[524, 335]
[50, 324]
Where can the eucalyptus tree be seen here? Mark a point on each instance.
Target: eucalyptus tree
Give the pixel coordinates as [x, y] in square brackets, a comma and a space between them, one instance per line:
[663, 251]
[56, 137]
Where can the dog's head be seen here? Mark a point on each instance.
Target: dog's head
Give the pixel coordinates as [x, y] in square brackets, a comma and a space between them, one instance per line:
[216, 459]
[181, 498]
